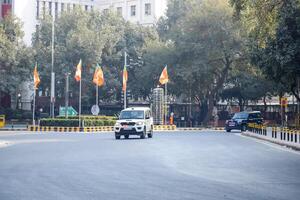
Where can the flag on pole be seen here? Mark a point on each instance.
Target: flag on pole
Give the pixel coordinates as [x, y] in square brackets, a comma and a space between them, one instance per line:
[125, 78]
[98, 76]
[36, 78]
[164, 78]
[78, 71]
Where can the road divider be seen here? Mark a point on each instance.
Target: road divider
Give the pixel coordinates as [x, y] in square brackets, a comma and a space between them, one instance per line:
[279, 135]
[91, 129]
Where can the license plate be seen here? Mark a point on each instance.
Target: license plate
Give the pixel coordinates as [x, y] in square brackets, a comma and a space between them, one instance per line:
[231, 124]
[127, 128]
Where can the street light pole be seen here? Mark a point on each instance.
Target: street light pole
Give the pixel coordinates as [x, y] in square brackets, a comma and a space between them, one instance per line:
[125, 91]
[67, 95]
[52, 96]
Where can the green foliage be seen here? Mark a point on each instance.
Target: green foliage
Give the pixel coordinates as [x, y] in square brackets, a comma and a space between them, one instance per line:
[59, 122]
[95, 38]
[273, 39]
[73, 122]
[206, 43]
[15, 58]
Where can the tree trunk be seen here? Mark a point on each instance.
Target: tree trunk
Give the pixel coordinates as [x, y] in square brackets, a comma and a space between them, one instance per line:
[221, 79]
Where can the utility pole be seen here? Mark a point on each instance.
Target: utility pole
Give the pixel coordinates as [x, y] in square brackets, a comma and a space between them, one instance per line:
[125, 91]
[52, 96]
[67, 95]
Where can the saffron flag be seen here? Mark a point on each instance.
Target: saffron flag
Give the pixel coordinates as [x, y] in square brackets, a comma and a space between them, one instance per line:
[78, 71]
[36, 78]
[98, 76]
[164, 78]
[125, 78]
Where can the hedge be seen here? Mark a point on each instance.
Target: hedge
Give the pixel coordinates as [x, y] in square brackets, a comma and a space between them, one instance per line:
[89, 117]
[60, 122]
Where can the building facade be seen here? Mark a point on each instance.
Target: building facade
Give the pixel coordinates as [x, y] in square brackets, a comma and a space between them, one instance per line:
[145, 12]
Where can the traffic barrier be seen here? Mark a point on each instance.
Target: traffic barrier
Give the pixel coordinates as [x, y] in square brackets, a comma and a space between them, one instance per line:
[280, 135]
[2, 121]
[164, 127]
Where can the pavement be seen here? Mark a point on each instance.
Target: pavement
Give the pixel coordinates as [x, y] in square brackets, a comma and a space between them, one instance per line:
[206, 165]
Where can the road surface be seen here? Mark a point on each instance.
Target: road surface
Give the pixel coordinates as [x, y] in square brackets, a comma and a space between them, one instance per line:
[196, 165]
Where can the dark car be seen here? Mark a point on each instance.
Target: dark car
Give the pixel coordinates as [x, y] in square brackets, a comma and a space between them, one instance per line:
[240, 120]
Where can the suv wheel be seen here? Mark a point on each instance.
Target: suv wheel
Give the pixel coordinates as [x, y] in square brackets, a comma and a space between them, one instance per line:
[228, 130]
[126, 136]
[150, 135]
[244, 128]
[118, 137]
[143, 136]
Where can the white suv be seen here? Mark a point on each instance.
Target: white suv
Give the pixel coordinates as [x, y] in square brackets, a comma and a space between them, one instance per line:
[134, 121]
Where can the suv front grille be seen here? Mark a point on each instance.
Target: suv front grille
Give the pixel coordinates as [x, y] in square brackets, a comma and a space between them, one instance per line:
[128, 123]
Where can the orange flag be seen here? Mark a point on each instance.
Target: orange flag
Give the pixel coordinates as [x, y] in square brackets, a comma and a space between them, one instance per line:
[78, 71]
[98, 76]
[125, 78]
[36, 78]
[164, 78]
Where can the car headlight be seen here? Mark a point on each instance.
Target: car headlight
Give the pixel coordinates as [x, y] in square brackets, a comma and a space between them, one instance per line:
[140, 123]
[117, 124]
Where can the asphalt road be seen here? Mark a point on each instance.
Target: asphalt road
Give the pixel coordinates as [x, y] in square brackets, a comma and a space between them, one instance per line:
[173, 165]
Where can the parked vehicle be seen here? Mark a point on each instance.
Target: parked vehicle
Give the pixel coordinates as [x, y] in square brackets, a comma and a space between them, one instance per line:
[240, 120]
[134, 121]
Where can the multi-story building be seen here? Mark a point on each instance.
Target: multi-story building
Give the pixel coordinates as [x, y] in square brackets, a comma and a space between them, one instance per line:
[145, 12]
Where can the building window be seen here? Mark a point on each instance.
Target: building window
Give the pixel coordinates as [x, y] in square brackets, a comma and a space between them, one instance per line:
[62, 7]
[74, 6]
[68, 7]
[44, 9]
[50, 8]
[56, 9]
[119, 11]
[86, 7]
[147, 9]
[7, 2]
[37, 9]
[133, 10]
[105, 11]
[92, 8]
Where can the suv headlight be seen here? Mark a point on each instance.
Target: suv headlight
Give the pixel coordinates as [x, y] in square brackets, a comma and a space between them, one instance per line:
[117, 124]
[140, 123]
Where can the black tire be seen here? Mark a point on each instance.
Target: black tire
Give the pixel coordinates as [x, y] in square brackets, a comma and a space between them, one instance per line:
[228, 130]
[150, 135]
[143, 136]
[118, 137]
[126, 136]
[243, 128]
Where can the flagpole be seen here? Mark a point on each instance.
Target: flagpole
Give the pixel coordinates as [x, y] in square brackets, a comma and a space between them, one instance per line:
[125, 91]
[97, 95]
[166, 102]
[79, 101]
[33, 109]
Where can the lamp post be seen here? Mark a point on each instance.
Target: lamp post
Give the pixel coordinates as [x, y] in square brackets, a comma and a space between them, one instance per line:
[67, 95]
[52, 96]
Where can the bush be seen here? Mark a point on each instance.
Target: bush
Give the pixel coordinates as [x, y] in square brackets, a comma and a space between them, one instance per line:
[60, 122]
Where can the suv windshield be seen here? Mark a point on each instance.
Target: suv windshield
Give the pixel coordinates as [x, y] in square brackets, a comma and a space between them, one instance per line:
[132, 115]
[240, 116]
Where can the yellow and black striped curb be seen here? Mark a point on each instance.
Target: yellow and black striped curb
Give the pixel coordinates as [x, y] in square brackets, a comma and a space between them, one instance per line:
[90, 129]
[54, 129]
[164, 127]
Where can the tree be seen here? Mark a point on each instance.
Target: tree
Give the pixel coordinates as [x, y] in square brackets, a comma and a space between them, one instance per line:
[15, 58]
[207, 47]
[95, 38]
[274, 40]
